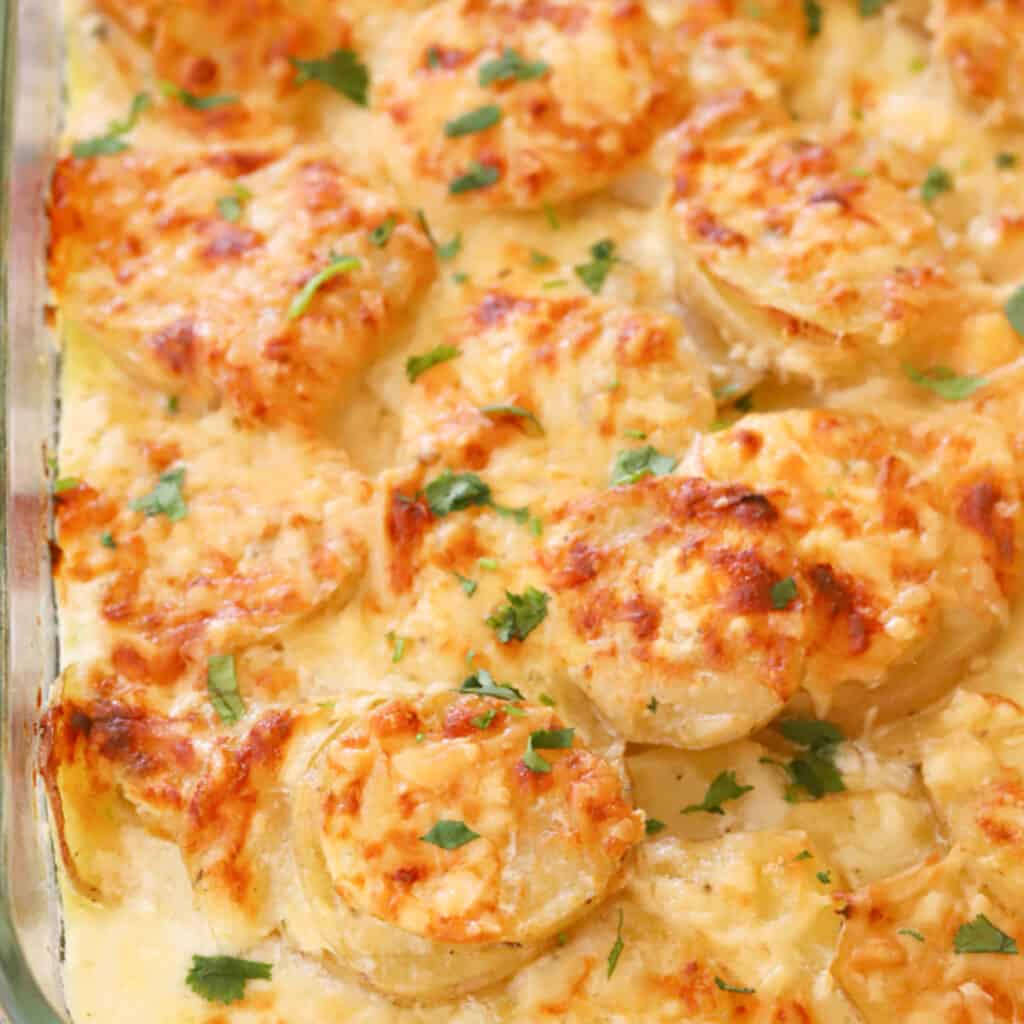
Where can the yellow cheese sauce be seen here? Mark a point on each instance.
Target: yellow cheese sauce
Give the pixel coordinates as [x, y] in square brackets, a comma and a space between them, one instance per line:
[738, 915]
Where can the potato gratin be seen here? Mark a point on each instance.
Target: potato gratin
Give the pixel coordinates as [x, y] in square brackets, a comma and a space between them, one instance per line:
[539, 512]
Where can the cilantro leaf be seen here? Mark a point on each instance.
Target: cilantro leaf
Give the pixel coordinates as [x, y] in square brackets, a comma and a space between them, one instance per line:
[112, 142]
[936, 181]
[510, 65]
[381, 234]
[813, 733]
[453, 492]
[483, 685]
[982, 936]
[520, 616]
[726, 987]
[342, 70]
[476, 176]
[416, 366]
[450, 834]
[652, 826]
[602, 259]
[221, 979]
[545, 739]
[724, 787]
[222, 686]
[338, 265]
[636, 463]
[1014, 310]
[473, 121]
[193, 101]
[528, 417]
[814, 771]
[166, 499]
[784, 593]
[617, 948]
[445, 250]
[944, 382]
[812, 16]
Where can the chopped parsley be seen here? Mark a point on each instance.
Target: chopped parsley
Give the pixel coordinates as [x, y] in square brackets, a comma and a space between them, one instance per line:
[523, 613]
[173, 404]
[617, 948]
[631, 466]
[381, 234]
[166, 499]
[803, 855]
[652, 705]
[474, 121]
[231, 206]
[460, 277]
[738, 990]
[723, 788]
[545, 739]
[936, 181]
[869, 8]
[444, 250]
[484, 720]
[556, 282]
[561, 938]
[944, 382]
[222, 686]
[66, 483]
[912, 932]
[539, 259]
[449, 834]
[221, 979]
[113, 142]
[552, 217]
[784, 593]
[338, 265]
[416, 366]
[510, 65]
[982, 936]
[489, 564]
[193, 101]
[812, 17]
[602, 259]
[825, 877]
[652, 826]
[1014, 310]
[1006, 161]
[397, 646]
[468, 586]
[548, 702]
[482, 683]
[453, 492]
[514, 410]
[107, 540]
[342, 70]
[476, 176]
[813, 773]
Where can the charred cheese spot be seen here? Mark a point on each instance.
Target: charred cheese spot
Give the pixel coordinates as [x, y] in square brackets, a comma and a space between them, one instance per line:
[664, 590]
[563, 133]
[587, 371]
[548, 846]
[891, 976]
[198, 306]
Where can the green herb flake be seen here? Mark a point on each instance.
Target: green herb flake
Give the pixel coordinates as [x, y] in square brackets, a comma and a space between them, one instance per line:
[173, 404]
[1006, 161]
[870, 8]
[825, 877]
[476, 176]
[917, 65]
[557, 282]
[107, 540]
[66, 483]
[444, 250]
[561, 938]
[488, 564]
[631, 466]
[381, 234]
[546, 700]
[617, 948]
[803, 855]
[468, 586]
[944, 382]
[722, 789]
[545, 739]
[453, 492]
[460, 277]
[416, 366]
[602, 259]
[194, 101]
[342, 70]
[449, 834]
[652, 826]
[166, 499]
[222, 687]
[982, 936]
[221, 979]
[1014, 310]
[813, 14]
[539, 260]
[517, 411]
[523, 613]
[482, 684]
[338, 265]
[737, 989]
[784, 593]
[912, 933]
[474, 121]
[936, 181]
[635, 435]
[552, 217]
[113, 142]
[397, 646]
[510, 65]
[231, 207]
[484, 720]
[813, 774]
[652, 705]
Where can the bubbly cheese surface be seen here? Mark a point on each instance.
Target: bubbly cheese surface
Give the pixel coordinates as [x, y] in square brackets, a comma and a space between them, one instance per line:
[539, 511]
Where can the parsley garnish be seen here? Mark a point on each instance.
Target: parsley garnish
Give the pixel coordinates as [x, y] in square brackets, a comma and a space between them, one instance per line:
[912, 932]
[869, 8]
[552, 217]
[633, 465]
[191, 100]
[652, 705]
[166, 499]
[561, 938]
[520, 616]
[445, 250]
[416, 366]
[812, 17]
[66, 483]
[937, 181]
[482, 684]
[510, 65]
[342, 70]
[723, 788]
[381, 234]
[616, 950]
[450, 835]
[803, 855]
[222, 686]
[652, 826]
[397, 646]
[490, 564]
[113, 142]
[468, 586]
[477, 176]
[545, 739]
[514, 410]
[1004, 161]
[982, 936]
[726, 987]
[338, 265]
[540, 259]
[944, 382]
[602, 259]
[547, 701]
[484, 720]
[784, 593]
[107, 540]
[814, 771]
[1014, 310]
[825, 877]
[221, 979]
[173, 404]
[453, 492]
[460, 277]
[474, 121]
[230, 207]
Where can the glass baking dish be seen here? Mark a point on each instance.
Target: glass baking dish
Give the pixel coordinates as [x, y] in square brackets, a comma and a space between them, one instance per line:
[30, 109]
